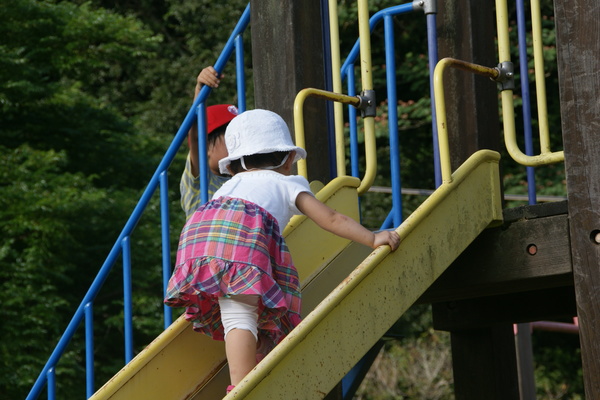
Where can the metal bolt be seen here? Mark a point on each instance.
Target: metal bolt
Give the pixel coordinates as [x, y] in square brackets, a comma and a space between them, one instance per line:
[597, 238]
[532, 249]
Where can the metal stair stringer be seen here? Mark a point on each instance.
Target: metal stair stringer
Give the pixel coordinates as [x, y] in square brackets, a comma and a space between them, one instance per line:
[332, 338]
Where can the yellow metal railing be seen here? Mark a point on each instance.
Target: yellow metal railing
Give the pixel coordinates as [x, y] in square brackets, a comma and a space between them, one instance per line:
[356, 101]
[546, 156]
[510, 138]
[440, 106]
[336, 77]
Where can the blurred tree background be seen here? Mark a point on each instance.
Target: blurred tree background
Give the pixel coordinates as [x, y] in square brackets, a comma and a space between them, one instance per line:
[91, 94]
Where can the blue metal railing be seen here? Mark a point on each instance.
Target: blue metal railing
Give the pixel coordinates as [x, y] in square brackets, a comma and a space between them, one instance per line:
[526, 97]
[121, 247]
[347, 72]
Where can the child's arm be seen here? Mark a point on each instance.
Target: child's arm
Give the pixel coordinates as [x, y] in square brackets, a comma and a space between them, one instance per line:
[342, 225]
[208, 76]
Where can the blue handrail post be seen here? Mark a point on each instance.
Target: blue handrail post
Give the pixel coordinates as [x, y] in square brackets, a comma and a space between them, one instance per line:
[166, 243]
[233, 43]
[354, 170]
[51, 383]
[526, 98]
[240, 73]
[127, 299]
[89, 349]
[432, 49]
[393, 119]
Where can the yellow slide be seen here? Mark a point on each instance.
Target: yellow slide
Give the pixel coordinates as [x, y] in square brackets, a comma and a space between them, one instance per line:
[181, 362]
[352, 297]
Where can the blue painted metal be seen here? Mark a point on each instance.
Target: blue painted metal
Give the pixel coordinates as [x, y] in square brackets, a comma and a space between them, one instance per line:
[388, 222]
[347, 72]
[89, 349]
[353, 379]
[352, 120]
[432, 49]
[240, 73]
[373, 21]
[390, 69]
[200, 101]
[526, 98]
[166, 243]
[127, 299]
[202, 151]
[51, 376]
[47, 375]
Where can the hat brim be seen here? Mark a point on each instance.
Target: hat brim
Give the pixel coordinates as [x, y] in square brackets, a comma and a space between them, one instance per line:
[224, 162]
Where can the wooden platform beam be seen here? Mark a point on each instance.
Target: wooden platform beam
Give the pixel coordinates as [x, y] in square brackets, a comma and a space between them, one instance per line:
[530, 251]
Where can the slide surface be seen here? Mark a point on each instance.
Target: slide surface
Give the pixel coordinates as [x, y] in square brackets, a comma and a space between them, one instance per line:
[181, 364]
[351, 297]
[316, 355]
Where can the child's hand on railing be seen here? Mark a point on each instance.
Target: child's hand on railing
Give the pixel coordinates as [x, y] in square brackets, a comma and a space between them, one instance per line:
[391, 238]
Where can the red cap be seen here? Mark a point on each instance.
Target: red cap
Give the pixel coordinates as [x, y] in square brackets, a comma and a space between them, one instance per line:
[219, 115]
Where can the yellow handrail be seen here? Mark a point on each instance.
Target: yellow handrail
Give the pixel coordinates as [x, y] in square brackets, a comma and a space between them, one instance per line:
[368, 121]
[440, 105]
[299, 115]
[540, 80]
[508, 113]
[338, 111]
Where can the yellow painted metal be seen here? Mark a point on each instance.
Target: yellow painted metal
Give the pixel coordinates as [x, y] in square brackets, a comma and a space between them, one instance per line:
[342, 328]
[368, 122]
[366, 76]
[440, 105]
[338, 111]
[299, 115]
[181, 363]
[540, 79]
[178, 355]
[364, 37]
[508, 115]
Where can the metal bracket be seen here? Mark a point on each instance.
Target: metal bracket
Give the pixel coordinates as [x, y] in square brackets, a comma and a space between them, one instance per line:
[506, 77]
[428, 6]
[367, 103]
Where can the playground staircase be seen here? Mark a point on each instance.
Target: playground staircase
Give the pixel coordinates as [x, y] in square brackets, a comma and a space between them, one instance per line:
[351, 297]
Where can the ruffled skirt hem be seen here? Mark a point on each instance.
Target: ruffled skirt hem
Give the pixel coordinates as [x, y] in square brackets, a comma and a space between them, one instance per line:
[197, 285]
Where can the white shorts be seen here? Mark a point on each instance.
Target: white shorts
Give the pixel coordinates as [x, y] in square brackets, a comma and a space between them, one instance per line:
[240, 312]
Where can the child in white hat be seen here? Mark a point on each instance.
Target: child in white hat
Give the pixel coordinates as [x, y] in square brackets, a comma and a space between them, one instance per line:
[234, 272]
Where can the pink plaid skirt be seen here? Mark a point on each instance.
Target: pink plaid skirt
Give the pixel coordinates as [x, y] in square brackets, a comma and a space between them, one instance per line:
[231, 246]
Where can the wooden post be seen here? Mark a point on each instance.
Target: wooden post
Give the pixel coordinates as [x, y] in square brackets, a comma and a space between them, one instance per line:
[578, 46]
[466, 32]
[287, 56]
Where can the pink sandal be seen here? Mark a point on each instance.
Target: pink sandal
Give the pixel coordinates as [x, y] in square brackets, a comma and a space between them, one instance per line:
[229, 388]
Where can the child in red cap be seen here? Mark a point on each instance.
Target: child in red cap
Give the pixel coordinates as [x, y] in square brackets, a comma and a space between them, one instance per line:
[218, 117]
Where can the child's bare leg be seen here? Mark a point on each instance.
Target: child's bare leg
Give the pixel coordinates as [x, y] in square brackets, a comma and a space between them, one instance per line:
[239, 314]
[240, 347]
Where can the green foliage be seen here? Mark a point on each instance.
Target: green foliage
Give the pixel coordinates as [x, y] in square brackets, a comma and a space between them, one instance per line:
[415, 367]
[39, 268]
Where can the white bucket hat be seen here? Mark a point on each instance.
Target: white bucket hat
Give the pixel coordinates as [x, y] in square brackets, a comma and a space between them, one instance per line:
[257, 132]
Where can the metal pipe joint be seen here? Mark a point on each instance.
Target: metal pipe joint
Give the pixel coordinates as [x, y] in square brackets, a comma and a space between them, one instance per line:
[367, 104]
[506, 76]
[428, 6]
